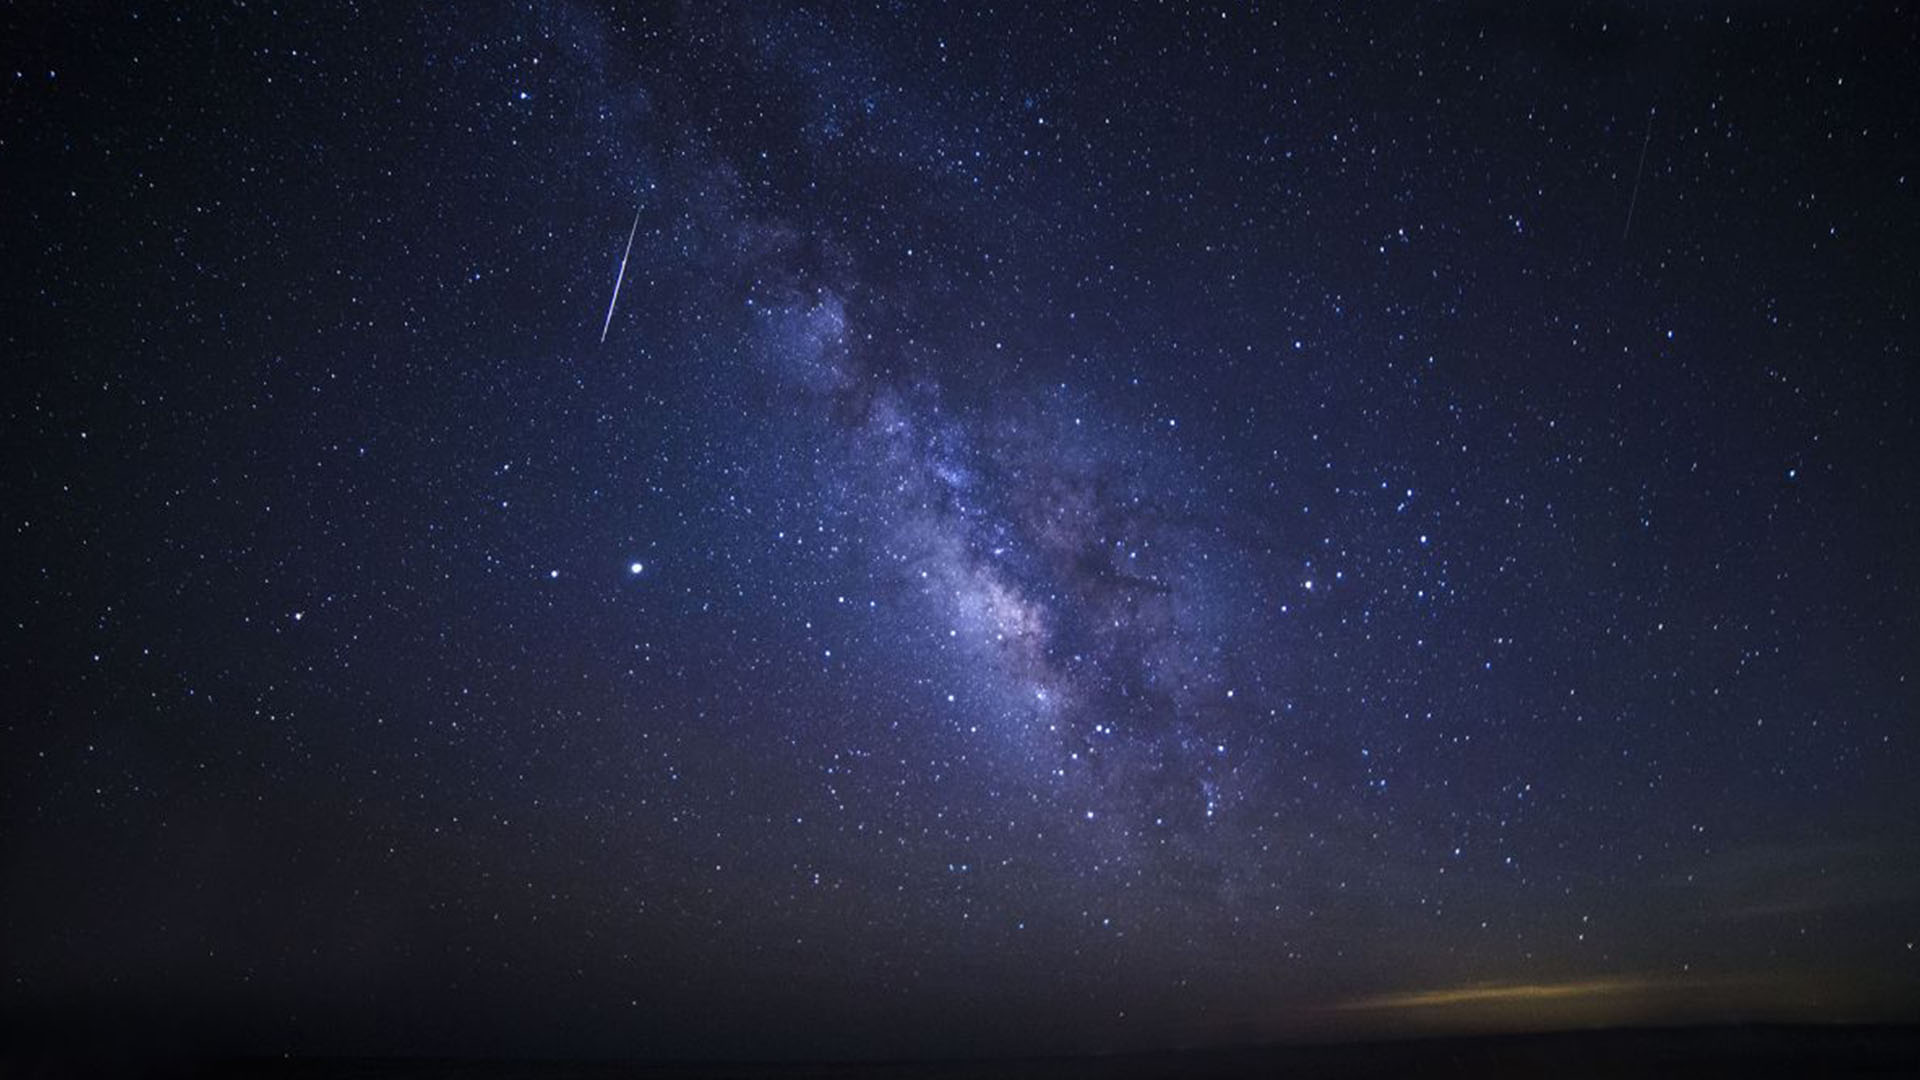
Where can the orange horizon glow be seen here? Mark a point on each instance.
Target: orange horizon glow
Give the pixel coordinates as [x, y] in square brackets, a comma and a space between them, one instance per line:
[1504, 993]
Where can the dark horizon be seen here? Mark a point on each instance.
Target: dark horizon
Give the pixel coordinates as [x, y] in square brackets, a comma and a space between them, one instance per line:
[660, 531]
[1733, 1050]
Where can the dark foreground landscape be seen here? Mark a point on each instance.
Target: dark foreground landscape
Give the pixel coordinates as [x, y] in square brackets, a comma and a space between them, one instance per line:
[1758, 1051]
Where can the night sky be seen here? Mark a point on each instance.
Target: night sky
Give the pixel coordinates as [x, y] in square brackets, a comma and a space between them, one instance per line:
[762, 531]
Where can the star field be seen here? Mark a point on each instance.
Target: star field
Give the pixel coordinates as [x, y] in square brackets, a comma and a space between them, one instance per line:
[1089, 529]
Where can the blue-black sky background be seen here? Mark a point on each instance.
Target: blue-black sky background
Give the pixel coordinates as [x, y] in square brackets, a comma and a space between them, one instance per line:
[1094, 528]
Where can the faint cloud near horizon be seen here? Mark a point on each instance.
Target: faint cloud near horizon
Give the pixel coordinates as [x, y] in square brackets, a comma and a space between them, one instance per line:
[1613, 1001]
[1512, 993]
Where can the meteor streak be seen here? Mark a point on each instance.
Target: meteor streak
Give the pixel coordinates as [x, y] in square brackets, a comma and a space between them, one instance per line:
[1642, 167]
[620, 279]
